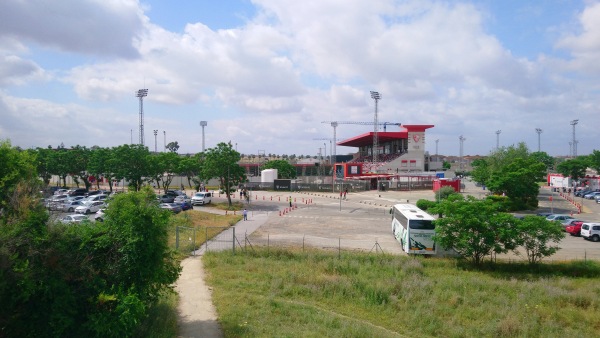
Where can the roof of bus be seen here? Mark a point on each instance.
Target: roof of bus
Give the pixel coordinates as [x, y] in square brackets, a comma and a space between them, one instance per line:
[411, 211]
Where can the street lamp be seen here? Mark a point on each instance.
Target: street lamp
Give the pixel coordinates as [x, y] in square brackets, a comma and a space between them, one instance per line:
[155, 148]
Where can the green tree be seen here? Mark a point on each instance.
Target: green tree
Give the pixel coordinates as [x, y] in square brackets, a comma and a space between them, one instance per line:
[78, 165]
[574, 168]
[594, 160]
[474, 228]
[446, 165]
[543, 157]
[130, 162]
[190, 167]
[173, 146]
[163, 167]
[59, 164]
[43, 164]
[15, 167]
[222, 162]
[284, 168]
[517, 180]
[481, 171]
[99, 165]
[535, 234]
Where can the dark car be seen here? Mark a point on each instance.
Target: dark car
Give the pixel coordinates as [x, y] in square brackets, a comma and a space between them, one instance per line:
[96, 192]
[166, 198]
[77, 192]
[186, 205]
[582, 192]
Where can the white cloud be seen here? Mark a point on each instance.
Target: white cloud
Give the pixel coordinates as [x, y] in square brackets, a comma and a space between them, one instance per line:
[585, 46]
[93, 27]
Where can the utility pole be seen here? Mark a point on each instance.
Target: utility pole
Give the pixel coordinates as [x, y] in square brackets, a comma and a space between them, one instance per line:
[539, 132]
[375, 96]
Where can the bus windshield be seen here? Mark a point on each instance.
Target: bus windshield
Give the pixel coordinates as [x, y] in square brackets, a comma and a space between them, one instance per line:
[420, 224]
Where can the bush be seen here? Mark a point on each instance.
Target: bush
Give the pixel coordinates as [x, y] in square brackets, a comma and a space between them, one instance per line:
[424, 204]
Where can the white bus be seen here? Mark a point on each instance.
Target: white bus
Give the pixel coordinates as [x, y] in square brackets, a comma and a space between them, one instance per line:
[413, 228]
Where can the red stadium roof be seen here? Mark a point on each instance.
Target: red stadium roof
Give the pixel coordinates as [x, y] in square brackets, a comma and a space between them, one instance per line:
[366, 139]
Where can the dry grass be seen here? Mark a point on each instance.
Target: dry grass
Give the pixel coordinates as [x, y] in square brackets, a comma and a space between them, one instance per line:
[197, 227]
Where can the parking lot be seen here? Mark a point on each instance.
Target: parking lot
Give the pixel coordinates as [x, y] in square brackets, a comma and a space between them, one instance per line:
[362, 222]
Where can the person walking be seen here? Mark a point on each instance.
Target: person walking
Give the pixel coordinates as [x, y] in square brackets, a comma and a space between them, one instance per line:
[245, 213]
[290, 201]
[345, 192]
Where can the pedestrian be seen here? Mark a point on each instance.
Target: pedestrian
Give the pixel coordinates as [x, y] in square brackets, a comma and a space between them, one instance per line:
[241, 192]
[245, 213]
[345, 192]
[290, 201]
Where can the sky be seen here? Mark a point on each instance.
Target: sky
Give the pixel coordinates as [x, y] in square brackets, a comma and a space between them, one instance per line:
[266, 74]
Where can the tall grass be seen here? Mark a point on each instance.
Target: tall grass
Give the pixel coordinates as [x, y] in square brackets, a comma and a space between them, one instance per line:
[289, 293]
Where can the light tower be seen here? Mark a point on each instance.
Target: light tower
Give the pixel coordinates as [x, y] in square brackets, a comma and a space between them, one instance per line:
[375, 96]
[204, 124]
[539, 132]
[462, 140]
[498, 139]
[436, 148]
[574, 123]
[141, 93]
[333, 158]
[155, 147]
[165, 140]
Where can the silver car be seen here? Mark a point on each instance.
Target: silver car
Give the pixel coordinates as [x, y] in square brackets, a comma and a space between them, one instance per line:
[90, 207]
[73, 219]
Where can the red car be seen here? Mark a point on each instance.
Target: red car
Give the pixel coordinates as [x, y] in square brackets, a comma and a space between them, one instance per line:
[575, 228]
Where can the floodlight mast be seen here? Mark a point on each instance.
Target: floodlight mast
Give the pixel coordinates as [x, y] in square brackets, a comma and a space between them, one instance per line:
[204, 124]
[462, 140]
[574, 123]
[141, 93]
[375, 96]
[539, 132]
[498, 139]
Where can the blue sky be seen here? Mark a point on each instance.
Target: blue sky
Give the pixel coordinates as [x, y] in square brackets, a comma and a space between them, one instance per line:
[266, 73]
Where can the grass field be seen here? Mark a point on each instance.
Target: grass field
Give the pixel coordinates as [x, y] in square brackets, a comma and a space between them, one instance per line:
[287, 293]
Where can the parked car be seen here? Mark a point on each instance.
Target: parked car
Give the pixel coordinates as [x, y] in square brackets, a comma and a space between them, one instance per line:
[94, 198]
[559, 217]
[166, 198]
[69, 206]
[569, 222]
[77, 192]
[582, 192]
[187, 205]
[90, 207]
[182, 198]
[575, 228]
[201, 198]
[591, 231]
[60, 191]
[591, 195]
[100, 215]
[96, 192]
[73, 219]
[53, 202]
[175, 193]
[544, 214]
[173, 207]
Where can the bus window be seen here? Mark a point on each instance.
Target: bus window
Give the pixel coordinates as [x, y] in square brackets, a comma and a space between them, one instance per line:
[419, 224]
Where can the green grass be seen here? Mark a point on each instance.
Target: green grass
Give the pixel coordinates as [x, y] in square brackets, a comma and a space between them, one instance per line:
[162, 319]
[288, 293]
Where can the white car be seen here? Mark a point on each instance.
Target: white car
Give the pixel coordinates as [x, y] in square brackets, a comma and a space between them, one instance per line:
[591, 195]
[69, 206]
[90, 207]
[591, 231]
[182, 198]
[73, 219]
[100, 215]
[201, 198]
[94, 198]
[559, 217]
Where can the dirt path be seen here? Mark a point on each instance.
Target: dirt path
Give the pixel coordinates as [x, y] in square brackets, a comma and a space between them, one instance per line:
[197, 314]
